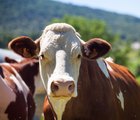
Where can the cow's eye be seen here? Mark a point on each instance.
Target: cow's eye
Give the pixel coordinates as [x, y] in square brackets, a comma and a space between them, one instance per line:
[78, 56]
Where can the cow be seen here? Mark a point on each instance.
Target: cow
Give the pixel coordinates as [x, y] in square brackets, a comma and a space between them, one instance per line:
[17, 87]
[79, 83]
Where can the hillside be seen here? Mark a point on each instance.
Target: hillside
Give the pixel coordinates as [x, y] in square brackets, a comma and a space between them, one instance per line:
[25, 17]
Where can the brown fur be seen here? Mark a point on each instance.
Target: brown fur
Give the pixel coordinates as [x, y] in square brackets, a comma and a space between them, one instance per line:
[97, 100]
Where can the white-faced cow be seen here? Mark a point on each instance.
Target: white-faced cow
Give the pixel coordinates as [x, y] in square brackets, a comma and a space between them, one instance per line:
[79, 84]
[17, 88]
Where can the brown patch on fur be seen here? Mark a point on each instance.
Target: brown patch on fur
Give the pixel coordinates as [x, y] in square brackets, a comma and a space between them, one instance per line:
[17, 110]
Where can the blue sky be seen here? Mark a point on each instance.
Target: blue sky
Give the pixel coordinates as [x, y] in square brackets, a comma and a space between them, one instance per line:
[130, 7]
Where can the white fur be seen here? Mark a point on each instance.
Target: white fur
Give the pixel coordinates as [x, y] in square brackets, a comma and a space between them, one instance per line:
[59, 27]
[103, 67]
[109, 59]
[59, 106]
[121, 98]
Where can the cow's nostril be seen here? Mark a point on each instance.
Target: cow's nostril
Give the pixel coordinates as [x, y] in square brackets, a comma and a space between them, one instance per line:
[71, 87]
[62, 88]
[54, 86]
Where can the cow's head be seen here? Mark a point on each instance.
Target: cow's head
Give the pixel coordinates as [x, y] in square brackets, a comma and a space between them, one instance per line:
[60, 50]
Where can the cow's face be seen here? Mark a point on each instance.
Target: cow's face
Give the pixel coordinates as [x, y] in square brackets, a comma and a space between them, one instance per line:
[60, 51]
[60, 57]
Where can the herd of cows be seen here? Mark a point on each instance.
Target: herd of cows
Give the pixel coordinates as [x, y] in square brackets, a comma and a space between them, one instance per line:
[79, 83]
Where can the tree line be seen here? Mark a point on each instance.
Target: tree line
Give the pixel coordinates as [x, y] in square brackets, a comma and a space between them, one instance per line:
[121, 51]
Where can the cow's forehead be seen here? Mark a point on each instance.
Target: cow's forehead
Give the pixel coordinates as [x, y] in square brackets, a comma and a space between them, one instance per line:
[58, 36]
[59, 27]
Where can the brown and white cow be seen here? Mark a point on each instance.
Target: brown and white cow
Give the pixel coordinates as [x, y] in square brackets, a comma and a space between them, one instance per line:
[79, 84]
[17, 86]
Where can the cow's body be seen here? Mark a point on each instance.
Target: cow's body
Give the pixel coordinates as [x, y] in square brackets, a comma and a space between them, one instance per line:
[17, 89]
[100, 97]
[79, 85]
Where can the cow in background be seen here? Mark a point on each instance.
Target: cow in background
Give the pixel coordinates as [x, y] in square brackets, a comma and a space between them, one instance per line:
[35, 83]
[18, 88]
[79, 84]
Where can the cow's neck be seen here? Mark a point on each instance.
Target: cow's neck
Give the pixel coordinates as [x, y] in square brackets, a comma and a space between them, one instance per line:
[59, 105]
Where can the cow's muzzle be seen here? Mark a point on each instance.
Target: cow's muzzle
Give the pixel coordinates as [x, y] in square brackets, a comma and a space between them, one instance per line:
[62, 88]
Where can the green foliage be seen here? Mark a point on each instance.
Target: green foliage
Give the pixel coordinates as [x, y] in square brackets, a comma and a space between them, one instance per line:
[4, 39]
[120, 52]
[42, 118]
[29, 17]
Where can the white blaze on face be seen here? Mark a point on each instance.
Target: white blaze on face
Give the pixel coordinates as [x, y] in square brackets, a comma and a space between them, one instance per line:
[61, 63]
[60, 48]
[62, 70]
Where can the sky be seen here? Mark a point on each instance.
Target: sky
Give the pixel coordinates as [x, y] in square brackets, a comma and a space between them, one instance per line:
[129, 7]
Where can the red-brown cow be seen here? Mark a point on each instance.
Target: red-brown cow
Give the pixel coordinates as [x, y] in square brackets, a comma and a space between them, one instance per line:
[17, 88]
[102, 97]
[79, 84]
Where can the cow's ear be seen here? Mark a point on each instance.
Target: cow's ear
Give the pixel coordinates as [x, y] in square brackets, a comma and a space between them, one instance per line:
[24, 46]
[95, 48]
